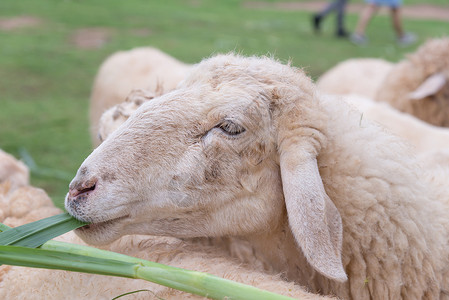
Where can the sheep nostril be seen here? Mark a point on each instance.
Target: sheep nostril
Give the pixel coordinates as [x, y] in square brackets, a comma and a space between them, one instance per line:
[83, 188]
[87, 189]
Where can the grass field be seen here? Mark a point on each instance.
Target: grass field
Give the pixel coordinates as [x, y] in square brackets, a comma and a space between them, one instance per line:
[46, 77]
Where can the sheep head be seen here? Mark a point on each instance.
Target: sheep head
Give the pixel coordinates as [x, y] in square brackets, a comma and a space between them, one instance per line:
[224, 154]
[419, 85]
[115, 116]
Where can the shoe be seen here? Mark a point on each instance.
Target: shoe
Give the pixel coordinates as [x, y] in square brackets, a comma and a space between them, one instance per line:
[316, 22]
[406, 39]
[358, 39]
[341, 33]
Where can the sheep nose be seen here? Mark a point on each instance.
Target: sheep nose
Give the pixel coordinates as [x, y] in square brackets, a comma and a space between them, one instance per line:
[79, 187]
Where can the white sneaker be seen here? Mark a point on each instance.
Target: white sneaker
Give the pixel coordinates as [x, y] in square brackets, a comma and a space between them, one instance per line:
[358, 39]
[406, 39]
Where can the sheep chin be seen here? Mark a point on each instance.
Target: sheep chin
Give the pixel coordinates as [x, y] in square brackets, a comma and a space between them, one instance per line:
[101, 233]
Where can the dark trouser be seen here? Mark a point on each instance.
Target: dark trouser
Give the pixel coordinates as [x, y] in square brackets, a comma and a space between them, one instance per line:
[339, 6]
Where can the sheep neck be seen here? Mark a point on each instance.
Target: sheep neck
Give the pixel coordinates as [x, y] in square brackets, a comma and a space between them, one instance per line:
[276, 251]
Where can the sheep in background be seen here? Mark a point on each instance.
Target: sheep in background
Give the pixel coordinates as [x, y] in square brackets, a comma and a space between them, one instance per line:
[361, 76]
[118, 114]
[13, 170]
[28, 204]
[124, 71]
[423, 136]
[419, 85]
[245, 147]
[24, 204]
[19, 202]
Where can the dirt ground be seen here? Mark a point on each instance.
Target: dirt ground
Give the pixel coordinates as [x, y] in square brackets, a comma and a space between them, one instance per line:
[8, 24]
[91, 38]
[422, 11]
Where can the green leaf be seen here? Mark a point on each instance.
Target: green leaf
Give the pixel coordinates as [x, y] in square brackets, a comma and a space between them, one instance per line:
[134, 292]
[37, 233]
[3, 227]
[198, 283]
[79, 258]
[48, 259]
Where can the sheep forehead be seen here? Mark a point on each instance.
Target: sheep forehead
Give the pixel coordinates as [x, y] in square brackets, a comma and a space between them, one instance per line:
[245, 72]
[226, 85]
[202, 105]
[262, 76]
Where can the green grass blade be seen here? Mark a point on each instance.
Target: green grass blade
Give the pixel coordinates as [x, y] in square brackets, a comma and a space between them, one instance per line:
[3, 227]
[189, 281]
[37, 233]
[78, 258]
[135, 292]
[41, 258]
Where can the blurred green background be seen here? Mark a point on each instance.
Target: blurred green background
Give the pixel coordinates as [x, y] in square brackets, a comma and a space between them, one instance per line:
[47, 68]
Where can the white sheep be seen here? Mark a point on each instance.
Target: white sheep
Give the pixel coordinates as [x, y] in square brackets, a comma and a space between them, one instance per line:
[423, 136]
[28, 204]
[418, 85]
[144, 67]
[115, 116]
[245, 147]
[24, 204]
[13, 170]
[360, 76]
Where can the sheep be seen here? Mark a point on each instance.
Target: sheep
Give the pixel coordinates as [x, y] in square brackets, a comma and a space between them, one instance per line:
[24, 204]
[429, 142]
[360, 76]
[12, 170]
[115, 116]
[419, 85]
[144, 67]
[29, 204]
[245, 148]
[423, 136]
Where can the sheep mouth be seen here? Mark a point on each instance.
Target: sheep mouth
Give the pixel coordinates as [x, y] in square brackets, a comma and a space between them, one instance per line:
[100, 225]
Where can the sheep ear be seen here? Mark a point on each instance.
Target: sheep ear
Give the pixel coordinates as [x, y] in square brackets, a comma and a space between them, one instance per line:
[430, 86]
[313, 218]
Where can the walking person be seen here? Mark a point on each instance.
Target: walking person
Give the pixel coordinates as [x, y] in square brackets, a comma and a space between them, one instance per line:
[339, 7]
[370, 10]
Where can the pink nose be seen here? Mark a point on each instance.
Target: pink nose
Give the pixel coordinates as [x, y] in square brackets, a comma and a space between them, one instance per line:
[77, 188]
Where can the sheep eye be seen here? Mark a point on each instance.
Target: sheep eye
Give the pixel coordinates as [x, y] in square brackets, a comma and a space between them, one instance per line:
[230, 128]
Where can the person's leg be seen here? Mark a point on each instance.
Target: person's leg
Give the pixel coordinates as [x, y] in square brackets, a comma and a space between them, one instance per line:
[318, 18]
[330, 7]
[358, 37]
[368, 12]
[341, 7]
[396, 20]
[403, 38]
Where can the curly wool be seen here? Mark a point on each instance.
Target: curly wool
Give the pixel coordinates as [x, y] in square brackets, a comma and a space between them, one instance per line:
[406, 76]
[13, 171]
[123, 71]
